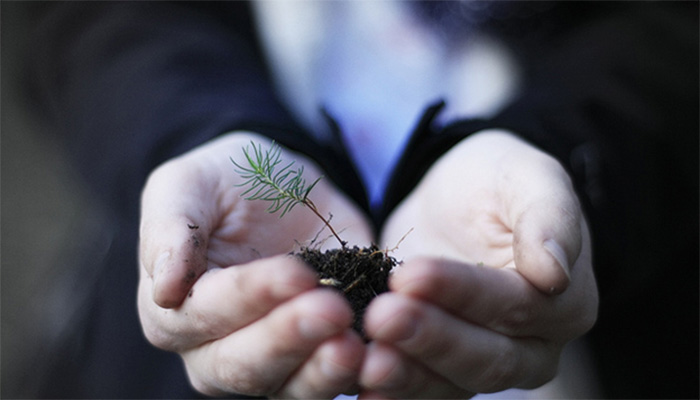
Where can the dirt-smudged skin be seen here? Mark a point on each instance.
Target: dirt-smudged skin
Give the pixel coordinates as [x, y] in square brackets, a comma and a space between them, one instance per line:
[197, 265]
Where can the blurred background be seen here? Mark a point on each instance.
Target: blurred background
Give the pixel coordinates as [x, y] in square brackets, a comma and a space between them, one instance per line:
[51, 230]
[48, 224]
[54, 239]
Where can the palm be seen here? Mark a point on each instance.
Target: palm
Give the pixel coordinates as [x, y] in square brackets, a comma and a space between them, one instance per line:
[196, 199]
[251, 229]
[456, 212]
[484, 203]
[246, 231]
[467, 230]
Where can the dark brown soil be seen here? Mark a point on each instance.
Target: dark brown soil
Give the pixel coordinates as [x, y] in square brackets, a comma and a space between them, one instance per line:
[360, 274]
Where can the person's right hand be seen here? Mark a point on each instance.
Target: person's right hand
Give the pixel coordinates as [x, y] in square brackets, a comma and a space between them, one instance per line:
[216, 289]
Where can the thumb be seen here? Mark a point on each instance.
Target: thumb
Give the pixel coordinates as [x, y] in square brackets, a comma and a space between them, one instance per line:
[175, 255]
[547, 242]
[173, 240]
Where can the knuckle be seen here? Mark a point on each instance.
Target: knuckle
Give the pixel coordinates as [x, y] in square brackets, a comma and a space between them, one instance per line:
[199, 380]
[157, 339]
[502, 371]
[157, 336]
[544, 372]
[590, 313]
[543, 376]
[248, 383]
[203, 386]
[581, 325]
[586, 315]
[204, 326]
[238, 377]
[433, 347]
[515, 320]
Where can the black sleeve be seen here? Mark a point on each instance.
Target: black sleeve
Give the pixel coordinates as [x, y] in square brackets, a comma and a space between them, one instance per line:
[613, 95]
[129, 85]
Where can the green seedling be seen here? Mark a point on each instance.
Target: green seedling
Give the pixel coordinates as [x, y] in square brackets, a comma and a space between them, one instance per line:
[283, 187]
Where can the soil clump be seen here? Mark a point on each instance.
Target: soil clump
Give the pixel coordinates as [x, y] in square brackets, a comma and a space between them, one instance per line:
[360, 274]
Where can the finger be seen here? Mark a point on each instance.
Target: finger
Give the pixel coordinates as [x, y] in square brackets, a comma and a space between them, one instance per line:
[467, 355]
[176, 261]
[333, 369]
[222, 301]
[545, 217]
[387, 373]
[259, 358]
[547, 241]
[499, 299]
[175, 227]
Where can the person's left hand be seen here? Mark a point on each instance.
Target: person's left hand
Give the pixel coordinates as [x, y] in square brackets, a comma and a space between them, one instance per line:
[497, 276]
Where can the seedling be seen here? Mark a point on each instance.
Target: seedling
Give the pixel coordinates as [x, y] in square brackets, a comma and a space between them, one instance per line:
[360, 274]
[284, 188]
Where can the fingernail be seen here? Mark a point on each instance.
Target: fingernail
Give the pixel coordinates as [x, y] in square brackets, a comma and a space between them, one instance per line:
[558, 253]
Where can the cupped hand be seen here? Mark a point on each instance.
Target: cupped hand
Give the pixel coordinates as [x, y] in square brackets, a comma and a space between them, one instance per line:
[216, 286]
[497, 276]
